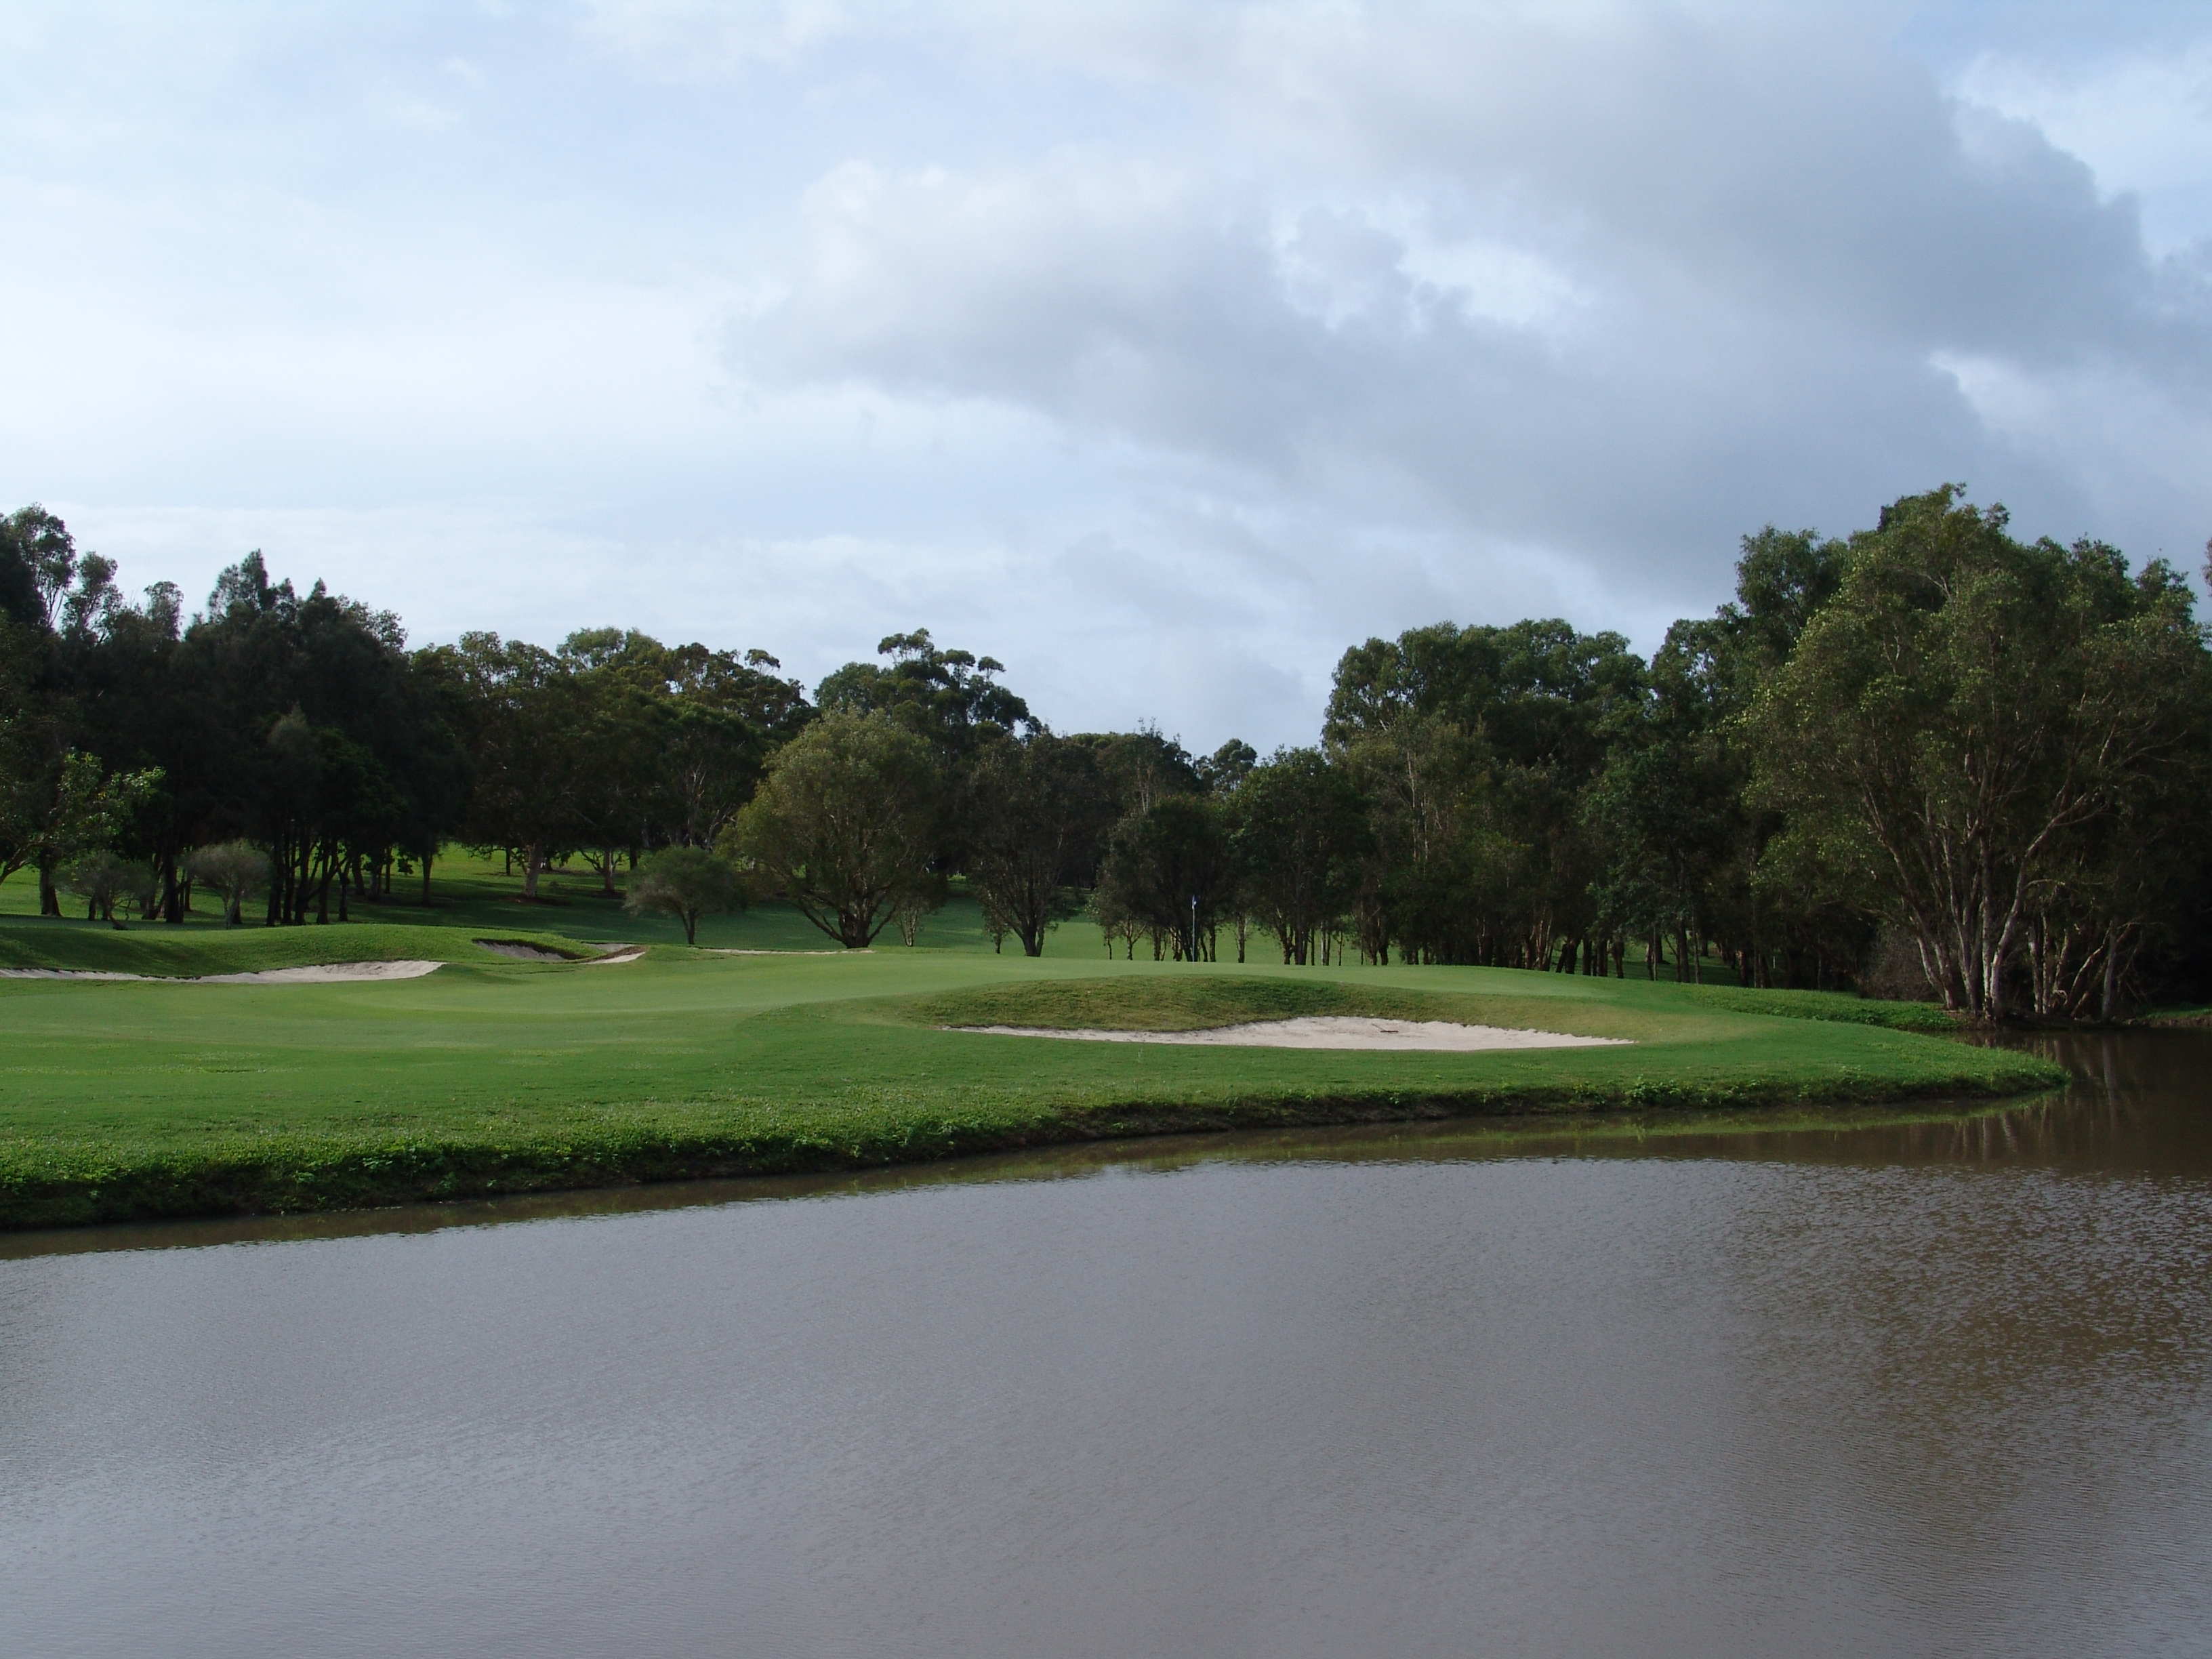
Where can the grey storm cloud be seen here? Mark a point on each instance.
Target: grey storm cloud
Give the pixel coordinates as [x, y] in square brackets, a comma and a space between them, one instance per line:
[1770, 243]
[1161, 350]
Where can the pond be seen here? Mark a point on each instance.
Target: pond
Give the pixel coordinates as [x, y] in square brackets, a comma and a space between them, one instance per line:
[1875, 1386]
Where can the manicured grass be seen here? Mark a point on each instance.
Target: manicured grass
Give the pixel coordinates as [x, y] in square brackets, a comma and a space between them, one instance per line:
[188, 953]
[123, 1101]
[1842, 1005]
[1173, 1000]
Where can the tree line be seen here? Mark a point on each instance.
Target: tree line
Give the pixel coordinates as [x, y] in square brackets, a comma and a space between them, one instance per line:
[1929, 758]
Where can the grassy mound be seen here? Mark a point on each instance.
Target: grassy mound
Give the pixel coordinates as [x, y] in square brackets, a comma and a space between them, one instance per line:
[1184, 1004]
[137, 1100]
[1163, 1003]
[1845, 1006]
[190, 953]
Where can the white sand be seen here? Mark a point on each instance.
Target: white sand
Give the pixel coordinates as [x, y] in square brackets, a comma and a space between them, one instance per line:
[1328, 1031]
[615, 957]
[329, 973]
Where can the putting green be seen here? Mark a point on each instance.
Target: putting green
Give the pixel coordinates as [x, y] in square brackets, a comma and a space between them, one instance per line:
[127, 1100]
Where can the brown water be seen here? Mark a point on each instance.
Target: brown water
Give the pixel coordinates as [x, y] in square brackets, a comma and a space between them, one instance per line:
[1868, 1388]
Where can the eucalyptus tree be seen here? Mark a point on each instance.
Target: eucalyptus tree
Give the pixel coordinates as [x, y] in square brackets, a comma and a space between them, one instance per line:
[315, 733]
[951, 699]
[1301, 834]
[624, 714]
[1141, 767]
[845, 825]
[727, 715]
[38, 568]
[1968, 712]
[1227, 767]
[1035, 809]
[1429, 879]
[524, 710]
[1177, 869]
[1519, 717]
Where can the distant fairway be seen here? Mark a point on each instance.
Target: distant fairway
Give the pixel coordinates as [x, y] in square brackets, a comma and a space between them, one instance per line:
[477, 893]
[120, 1101]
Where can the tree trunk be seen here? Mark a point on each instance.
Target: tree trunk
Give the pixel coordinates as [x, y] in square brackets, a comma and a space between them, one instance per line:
[173, 898]
[50, 900]
[529, 871]
[426, 881]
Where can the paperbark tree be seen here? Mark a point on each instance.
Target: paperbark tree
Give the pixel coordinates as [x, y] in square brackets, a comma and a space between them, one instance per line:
[1965, 710]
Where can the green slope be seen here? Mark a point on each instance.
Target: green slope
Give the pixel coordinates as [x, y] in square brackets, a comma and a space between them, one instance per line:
[127, 1100]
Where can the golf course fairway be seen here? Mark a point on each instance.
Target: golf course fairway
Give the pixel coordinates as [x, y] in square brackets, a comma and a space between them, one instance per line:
[140, 1099]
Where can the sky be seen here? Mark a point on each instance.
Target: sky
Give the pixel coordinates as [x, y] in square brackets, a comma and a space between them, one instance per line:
[1161, 350]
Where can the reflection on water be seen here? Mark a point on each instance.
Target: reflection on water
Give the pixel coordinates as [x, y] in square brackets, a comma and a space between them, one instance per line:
[1882, 1383]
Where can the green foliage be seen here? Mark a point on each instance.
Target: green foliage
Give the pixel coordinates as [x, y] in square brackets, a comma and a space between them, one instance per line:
[1174, 870]
[686, 883]
[38, 563]
[1301, 834]
[1477, 747]
[68, 818]
[947, 698]
[1032, 810]
[234, 871]
[103, 881]
[670, 741]
[1998, 735]
[2002, 749]
[844, 826]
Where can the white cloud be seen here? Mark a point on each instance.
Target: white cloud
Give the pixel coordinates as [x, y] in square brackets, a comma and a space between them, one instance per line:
[2142, 119]
[694, 40]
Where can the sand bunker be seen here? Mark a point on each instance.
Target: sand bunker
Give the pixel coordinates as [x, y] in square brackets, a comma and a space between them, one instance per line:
[1327, 1031]
[328, 973]
[614, 954]
[865, 951]
[519, 952]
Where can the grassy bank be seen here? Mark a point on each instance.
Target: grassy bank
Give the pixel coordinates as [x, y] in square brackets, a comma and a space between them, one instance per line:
[190, 952]
[128, 1100]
